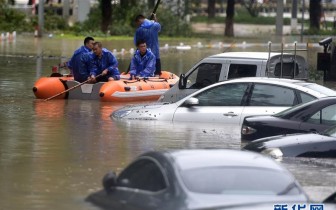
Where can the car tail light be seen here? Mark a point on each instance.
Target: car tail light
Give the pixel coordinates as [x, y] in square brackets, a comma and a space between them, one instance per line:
[246, 130]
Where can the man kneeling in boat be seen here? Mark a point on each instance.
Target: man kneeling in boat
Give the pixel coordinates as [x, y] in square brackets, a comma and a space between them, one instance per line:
[143, 61]
[80, 61]
[103, 63]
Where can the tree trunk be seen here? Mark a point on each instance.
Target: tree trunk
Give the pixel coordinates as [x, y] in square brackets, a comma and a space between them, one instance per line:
[229, 18]
[211, 8]
[315, 14]
[106, 8]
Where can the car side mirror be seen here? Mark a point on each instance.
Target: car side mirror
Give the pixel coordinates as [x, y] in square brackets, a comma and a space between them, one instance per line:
[182, 82]
[191, 102]
[109, 181]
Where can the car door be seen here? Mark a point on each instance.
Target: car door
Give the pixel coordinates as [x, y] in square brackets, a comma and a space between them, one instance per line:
[321, 120]
[221, 104]
[268, 99]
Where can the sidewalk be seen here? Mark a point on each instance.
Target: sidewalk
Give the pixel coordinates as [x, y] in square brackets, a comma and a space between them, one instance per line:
[240, 30]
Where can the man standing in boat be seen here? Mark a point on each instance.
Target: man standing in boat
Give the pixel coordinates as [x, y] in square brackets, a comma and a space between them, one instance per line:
[148, 30]
[80, 61]
[143, 61]
[104, 63]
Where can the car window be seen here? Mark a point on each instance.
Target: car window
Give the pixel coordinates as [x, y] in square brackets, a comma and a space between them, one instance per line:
[286, 70]
[325, 116]
[143, 174]
[306, 97]
[242, 70]
[223, 95]
[205, 74]
[272, 95]
[238, 180]
[319, 88]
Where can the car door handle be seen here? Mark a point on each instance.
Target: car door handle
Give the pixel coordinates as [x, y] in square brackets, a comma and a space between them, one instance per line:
[230, 114]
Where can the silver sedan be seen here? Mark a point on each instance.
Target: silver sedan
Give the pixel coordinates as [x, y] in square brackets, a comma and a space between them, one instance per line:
[230, 101]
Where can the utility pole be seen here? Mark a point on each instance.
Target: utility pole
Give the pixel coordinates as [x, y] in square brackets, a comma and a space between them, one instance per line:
[40, 18]
[279, 18]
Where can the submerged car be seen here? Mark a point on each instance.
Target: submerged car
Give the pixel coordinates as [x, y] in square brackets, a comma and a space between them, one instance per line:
[314, 145]
[313, 116]
[198, 179]
[230, 101]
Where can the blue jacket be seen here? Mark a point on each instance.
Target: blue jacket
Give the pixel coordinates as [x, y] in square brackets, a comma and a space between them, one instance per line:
[107, 61]
[79, 64]
[143, 66]
[149, 31]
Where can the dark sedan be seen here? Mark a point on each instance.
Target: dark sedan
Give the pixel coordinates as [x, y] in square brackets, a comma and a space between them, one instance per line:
[198, 179]
[297, 145]
[313, 116]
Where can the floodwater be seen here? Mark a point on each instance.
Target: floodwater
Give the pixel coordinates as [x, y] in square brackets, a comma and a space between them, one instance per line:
[53, 154]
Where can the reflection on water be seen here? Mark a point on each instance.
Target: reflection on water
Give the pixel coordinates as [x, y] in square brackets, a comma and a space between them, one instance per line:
[54, 153]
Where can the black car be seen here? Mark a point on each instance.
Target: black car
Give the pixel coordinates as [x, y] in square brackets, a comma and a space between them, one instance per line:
[198, 179]
[297, 145]
[313, 116]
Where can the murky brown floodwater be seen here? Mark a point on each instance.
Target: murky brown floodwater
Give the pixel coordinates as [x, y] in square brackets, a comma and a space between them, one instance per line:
[53, 154]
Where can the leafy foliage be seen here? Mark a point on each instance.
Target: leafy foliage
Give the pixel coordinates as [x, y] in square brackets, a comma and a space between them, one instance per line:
[12, 20]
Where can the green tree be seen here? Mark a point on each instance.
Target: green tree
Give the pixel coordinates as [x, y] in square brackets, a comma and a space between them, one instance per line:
[11, 19]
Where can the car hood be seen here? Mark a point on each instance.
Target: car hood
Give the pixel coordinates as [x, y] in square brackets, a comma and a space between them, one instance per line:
[292, 139]
[271, 205]
[202, 202]
[153, 111]
[291, 145]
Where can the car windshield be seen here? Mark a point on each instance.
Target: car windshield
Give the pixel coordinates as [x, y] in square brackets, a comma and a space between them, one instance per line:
[287, 112]
[239, 180]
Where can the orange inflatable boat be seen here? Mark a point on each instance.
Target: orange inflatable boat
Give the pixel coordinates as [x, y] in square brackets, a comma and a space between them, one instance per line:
[122, 90]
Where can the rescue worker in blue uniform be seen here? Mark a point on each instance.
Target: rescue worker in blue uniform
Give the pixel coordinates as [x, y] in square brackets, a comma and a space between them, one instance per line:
[143, 61]
[80, 61]
[105, 63]
[148, 30]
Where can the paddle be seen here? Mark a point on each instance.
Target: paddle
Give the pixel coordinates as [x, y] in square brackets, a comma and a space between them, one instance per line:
[76, 86]
[154, 10]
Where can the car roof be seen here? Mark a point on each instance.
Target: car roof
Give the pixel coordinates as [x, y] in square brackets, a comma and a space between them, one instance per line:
[246, 55]
[200, 158]
[270, 79]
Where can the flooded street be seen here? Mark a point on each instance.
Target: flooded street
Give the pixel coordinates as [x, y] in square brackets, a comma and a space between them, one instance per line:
[53, 154]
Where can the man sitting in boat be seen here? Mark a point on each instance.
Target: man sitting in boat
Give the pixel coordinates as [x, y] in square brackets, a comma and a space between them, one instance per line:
[80, 61]
[143, 61]
[103, 63]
